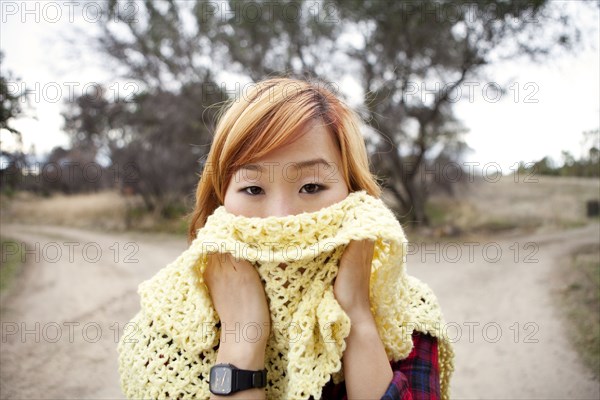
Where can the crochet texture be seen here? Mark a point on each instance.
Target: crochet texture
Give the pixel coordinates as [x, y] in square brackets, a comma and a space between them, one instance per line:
[171, 343]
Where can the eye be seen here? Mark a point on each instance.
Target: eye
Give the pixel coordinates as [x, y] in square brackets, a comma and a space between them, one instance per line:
[312, 188]
[252, 190]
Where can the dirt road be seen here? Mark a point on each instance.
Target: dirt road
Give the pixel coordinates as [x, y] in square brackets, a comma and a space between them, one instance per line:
[60, 324]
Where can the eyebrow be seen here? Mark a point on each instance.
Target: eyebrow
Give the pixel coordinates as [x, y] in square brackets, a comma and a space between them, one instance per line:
[296, 165]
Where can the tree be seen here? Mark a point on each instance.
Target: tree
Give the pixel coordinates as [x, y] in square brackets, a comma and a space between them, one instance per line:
[410, 59]
[423, 48]
[148, 140]
[170, 133]
[588, 165]
[10, 108]
[10, 101]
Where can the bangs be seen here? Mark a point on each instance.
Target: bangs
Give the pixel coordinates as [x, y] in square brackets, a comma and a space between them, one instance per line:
[280, 115]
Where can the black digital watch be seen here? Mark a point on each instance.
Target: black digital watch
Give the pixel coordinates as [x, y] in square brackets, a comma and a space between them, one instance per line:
[226, 379]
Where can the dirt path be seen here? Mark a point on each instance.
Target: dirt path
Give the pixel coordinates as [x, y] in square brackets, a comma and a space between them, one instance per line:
[61, 323]
[67, 312]
[510, 341]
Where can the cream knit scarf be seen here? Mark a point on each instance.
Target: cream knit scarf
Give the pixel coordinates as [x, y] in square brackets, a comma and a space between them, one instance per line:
[168, 349]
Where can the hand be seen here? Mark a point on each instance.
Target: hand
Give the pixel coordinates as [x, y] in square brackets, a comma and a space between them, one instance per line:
[367, 370]
[239, 298]
[351, 287]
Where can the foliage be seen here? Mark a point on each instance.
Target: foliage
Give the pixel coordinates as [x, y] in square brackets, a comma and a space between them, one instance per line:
[10, 109]
[148, 140]
[587, 166]
[10, 103]
[415, 59]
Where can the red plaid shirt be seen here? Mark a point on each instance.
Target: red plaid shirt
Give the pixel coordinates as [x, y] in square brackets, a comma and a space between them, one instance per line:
[416, 377]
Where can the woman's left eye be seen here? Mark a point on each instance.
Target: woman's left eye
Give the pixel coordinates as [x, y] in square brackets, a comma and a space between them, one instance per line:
[312, 188]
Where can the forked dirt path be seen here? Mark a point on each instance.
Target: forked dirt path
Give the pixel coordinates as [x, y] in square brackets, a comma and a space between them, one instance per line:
[62, 320]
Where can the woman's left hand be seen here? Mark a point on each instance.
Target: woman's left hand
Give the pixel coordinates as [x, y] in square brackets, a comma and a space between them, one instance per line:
[351, 287]
[367, 370]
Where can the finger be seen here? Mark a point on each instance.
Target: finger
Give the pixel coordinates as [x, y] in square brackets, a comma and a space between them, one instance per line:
[353, 248]
[367, 253]
[370, 249]
[218, 261]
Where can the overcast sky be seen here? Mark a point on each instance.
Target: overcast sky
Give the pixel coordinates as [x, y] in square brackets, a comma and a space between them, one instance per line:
[545, 110]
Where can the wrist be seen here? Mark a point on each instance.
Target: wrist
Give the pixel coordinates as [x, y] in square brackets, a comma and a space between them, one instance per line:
[363, 329]
[249, 331]
[243, 354]
[361, 315]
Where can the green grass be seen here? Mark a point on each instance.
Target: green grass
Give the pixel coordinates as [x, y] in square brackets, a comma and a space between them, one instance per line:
[571, 224]
[141, 220]
[437, 212]
[580, 302]
[10, 262]
[178, 226]
[497, 225]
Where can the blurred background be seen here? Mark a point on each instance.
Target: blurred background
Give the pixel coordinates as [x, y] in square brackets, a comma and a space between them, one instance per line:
[481, 120]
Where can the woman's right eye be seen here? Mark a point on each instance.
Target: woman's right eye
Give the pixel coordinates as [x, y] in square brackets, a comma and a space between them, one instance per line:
[252, 190]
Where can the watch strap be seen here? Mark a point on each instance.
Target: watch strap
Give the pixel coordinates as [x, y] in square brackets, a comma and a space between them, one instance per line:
[244, 379]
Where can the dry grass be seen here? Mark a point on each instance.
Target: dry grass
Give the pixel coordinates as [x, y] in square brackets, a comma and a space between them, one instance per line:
[478, 208]
[103, 210]
[492, 207]
[107, 211]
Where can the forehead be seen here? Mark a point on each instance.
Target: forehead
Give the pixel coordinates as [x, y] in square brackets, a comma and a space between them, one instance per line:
[317, 145]
[316, 141]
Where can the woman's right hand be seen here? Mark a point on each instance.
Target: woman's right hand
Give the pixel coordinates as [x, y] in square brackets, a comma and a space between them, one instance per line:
[239, 298]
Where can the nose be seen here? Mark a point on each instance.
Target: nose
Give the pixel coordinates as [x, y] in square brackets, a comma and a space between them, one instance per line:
[282, 206]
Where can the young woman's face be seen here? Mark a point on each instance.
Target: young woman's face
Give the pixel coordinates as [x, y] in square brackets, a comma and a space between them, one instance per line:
[302, 176]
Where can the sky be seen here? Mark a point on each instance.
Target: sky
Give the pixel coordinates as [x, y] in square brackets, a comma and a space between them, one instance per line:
[545, 110]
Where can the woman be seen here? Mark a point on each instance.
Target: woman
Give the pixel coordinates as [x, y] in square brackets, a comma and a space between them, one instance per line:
[288, 148]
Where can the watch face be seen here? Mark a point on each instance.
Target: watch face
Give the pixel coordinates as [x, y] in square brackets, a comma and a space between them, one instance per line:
[220, 380]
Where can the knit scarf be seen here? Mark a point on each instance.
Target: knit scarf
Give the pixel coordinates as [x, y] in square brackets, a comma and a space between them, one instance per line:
[171, 343]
